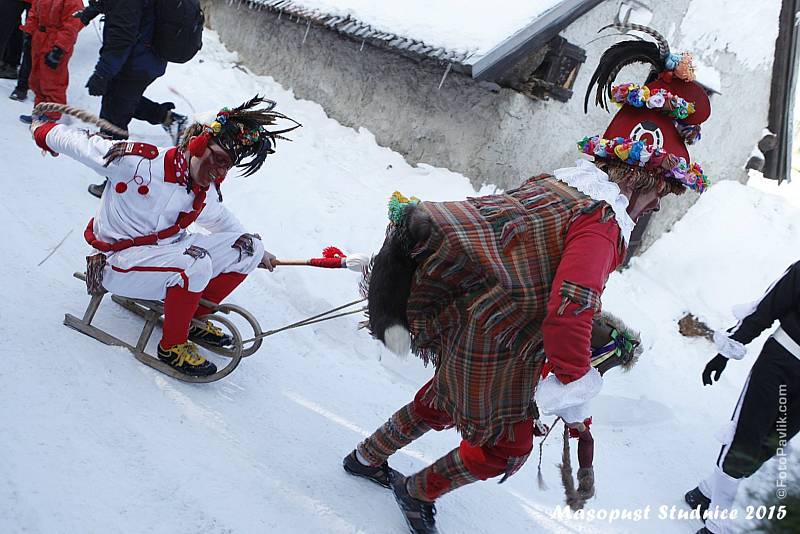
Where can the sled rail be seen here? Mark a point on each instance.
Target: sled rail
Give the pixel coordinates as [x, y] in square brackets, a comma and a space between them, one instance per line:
[152, 313]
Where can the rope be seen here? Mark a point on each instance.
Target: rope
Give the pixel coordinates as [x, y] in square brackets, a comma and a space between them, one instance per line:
[539, 477]
[324, 316]
[85, 116]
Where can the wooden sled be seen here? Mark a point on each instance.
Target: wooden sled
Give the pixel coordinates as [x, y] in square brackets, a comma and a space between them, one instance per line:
[152, 311]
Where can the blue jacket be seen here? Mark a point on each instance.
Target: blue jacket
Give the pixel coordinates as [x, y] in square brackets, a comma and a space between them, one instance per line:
[127, 38]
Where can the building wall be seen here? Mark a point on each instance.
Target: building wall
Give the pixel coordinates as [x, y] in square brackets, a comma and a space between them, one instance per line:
[492, 135]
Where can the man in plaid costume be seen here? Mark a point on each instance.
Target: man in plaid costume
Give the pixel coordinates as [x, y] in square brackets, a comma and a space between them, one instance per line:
[489, 288]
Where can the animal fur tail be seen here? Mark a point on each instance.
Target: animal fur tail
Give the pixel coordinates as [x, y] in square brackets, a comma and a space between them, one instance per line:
[388, 284]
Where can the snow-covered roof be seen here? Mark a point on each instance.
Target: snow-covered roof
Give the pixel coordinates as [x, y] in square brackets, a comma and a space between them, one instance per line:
[473, 34]
[471, 28]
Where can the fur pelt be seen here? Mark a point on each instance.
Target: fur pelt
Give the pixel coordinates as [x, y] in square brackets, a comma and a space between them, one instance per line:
[602, 327]
[387, 285]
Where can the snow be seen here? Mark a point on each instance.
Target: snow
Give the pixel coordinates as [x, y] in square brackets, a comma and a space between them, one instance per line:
[458, 26]
[94, 442]
[741, 27]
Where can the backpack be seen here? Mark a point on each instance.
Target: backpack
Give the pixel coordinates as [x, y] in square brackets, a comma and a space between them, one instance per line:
[178, 32]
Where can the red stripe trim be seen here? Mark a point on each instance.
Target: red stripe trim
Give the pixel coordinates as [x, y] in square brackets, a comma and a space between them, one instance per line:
[40, 136]
[144, 268]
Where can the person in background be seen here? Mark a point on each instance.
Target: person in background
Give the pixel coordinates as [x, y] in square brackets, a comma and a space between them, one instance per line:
[53, 32]
[20, 92]
[767, 414]
[11, 36]
[127, 65]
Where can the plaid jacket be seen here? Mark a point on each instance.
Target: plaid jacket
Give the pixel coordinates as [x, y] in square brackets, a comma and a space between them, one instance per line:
[479, 297]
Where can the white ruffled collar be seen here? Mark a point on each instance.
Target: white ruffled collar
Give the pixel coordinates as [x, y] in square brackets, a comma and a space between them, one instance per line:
[594, 183]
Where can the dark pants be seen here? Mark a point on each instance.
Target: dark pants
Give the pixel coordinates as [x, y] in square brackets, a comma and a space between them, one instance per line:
[124, 102]
[25, 67]
[768, 412]
[10, 34]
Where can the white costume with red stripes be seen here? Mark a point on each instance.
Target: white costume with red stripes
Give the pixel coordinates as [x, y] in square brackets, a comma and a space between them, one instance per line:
[152, 198]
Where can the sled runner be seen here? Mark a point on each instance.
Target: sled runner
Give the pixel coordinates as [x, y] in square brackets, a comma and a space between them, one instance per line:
[152, 312]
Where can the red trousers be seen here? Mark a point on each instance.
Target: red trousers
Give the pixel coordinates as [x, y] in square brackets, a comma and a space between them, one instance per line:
[48, 85]
[483, 461]
[180, 305]
[464, 465]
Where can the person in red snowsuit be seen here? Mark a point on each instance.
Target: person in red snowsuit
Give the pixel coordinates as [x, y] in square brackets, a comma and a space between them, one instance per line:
[53, 32]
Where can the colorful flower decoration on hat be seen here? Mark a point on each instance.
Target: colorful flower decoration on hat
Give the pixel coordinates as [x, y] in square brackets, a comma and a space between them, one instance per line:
[633, 94]
[682, 65]
[640, 154]
[245, 137]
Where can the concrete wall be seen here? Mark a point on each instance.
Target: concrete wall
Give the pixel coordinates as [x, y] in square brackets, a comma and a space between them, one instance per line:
[498, 137]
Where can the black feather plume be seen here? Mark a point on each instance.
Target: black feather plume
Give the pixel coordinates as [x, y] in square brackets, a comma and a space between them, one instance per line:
[613, 60]
[248, 117]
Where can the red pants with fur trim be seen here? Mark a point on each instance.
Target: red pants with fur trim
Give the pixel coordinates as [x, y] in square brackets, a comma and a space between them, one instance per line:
[463, 465]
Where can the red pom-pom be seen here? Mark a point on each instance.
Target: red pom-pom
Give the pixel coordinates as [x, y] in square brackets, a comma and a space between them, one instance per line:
[143, 190]
[332, 252]
[121, 187]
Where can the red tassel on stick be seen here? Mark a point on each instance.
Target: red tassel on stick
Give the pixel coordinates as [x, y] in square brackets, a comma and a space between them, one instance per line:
[332, 252]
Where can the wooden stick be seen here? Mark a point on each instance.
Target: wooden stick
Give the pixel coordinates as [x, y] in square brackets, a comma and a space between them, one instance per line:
[291, 262]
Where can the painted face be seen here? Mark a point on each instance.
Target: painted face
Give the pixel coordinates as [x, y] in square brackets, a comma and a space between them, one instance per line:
[210, 167]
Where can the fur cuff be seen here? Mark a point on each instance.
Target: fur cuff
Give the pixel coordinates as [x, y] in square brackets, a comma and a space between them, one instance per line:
[730, 348]
[568, 401]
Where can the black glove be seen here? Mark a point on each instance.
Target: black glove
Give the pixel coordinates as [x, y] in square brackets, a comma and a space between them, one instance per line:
[53, 57]
[98, 85]
[87, 14]
[716, 365]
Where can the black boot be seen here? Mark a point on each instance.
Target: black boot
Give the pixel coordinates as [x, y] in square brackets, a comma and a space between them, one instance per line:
[97, 189]
[19, 94]
[695, 498]
[704, 530]
[381, 474]
[210, 334]
[186, 359]
[26, 119]
[175, 125]
[419, 514]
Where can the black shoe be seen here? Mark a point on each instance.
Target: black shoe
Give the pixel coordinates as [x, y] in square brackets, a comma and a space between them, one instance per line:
[20, 94]
[97, 189]
[26, 119]
[9, 72]
[210, 334]
[186, 359]
[704, 530]
[695, 498]
[419, 514]
[381, 475]
[175, 125]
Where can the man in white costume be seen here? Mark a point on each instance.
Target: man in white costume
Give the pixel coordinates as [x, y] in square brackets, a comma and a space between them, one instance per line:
[143, 248]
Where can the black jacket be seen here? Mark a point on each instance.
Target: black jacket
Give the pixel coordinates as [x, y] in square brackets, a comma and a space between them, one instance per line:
[127, 38]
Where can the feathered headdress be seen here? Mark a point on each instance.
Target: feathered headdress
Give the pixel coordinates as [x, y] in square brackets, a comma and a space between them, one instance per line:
[242, 132]
[658, 118]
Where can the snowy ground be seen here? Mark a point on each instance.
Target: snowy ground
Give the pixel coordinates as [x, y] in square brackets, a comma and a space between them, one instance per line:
[94, 442]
